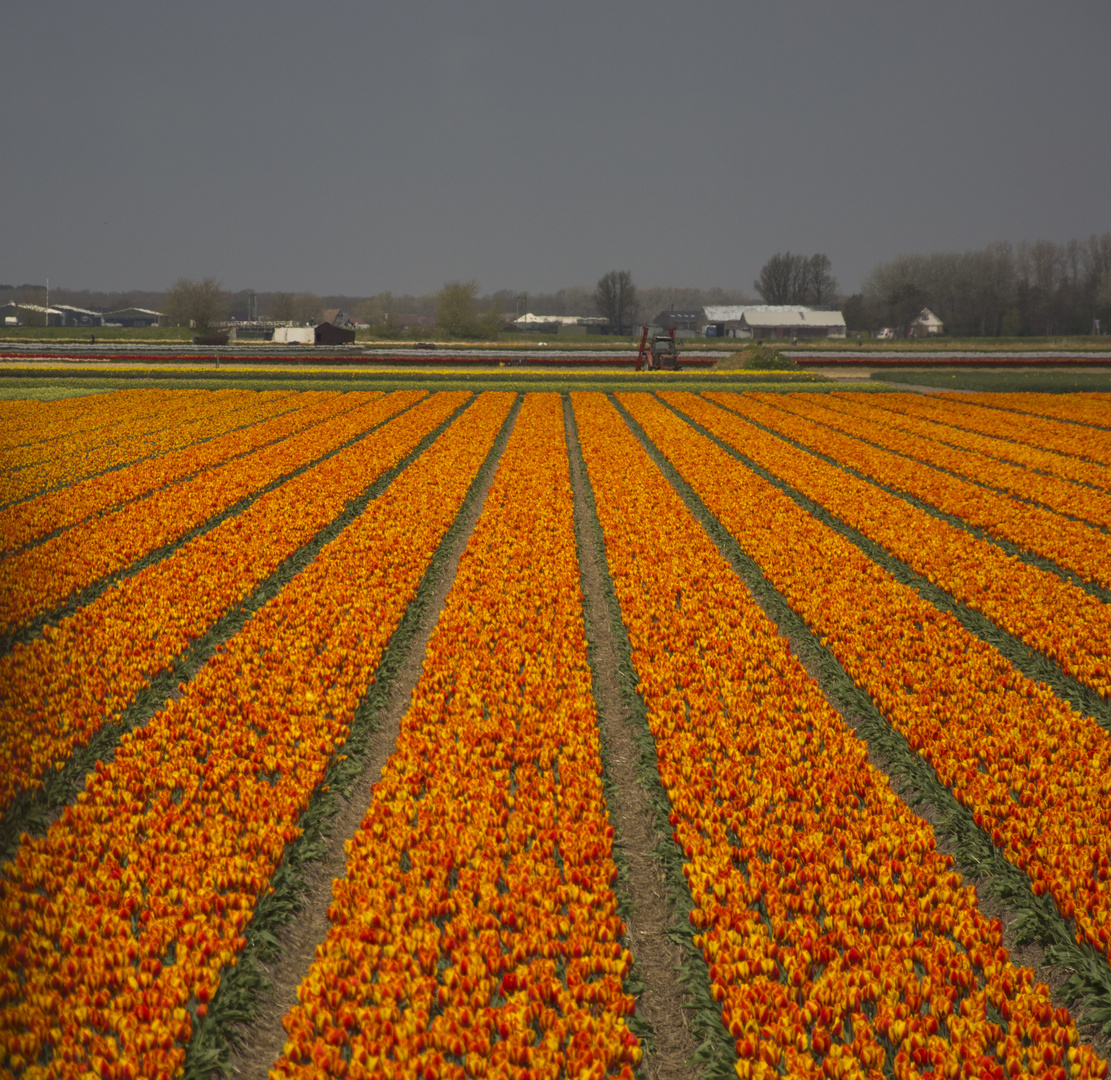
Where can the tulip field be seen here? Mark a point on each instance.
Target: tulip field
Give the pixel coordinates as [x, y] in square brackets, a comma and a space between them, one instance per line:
[864, 644]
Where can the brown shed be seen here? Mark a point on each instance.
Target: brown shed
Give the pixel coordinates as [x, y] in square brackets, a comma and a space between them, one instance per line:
[327, 334]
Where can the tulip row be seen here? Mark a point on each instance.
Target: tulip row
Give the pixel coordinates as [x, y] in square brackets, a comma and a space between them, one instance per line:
[26, 421]
[40, 579]
[864, 421]
[1077, 453]
[839, 939]
[268, 420]
[915, 415]
[83, 673]
[1071, 544]
[116, 926]
[475, 931]
[151, 423]
[1055, 617]
[1033, 772]
[1091, 409]
[40, 427]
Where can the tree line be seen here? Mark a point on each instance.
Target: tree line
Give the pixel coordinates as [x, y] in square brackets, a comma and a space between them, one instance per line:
[1003, 290]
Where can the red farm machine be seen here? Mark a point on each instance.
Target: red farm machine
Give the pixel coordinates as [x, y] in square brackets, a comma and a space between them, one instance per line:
[657, 353]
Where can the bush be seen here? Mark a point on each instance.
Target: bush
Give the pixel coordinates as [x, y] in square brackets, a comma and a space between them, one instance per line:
[758, 358]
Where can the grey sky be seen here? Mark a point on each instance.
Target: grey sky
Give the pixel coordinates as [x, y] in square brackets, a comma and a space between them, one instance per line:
[352, 147]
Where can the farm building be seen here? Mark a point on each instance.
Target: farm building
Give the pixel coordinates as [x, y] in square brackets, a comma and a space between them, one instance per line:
[329, 334]
[77, 316]
[132, 316]
[294, 335]
[771, 321]
[690, 319]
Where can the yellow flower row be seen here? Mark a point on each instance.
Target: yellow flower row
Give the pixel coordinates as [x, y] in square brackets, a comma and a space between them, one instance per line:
[60, 689]
[832, 926]
[1053, 616]
[143, 424]
[1034, 773]
[1069, 450]
[1070, 544]
[44, 577]
[268, 420]
[115, 927]
[474, 932]
[866, 421]
[1092, 409]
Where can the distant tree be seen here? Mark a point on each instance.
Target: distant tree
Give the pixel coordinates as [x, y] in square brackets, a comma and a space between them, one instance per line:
[198, 304]
[457, 308]
[777, 279]
[615, 298]
[860, 314]
[796, 279]
[281, 309]
[821, 285]
[380, 310]
[307, 308]
[904, 305]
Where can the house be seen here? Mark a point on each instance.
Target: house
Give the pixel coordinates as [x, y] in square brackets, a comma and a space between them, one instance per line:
[926, 325]
[339, 317]
[771, 321]
[14, 314]
[132, 316]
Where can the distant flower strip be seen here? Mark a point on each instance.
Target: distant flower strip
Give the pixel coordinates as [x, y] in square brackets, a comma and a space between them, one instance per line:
[1050, 615]
[474, 932]
[115, 927]
[269, 420]
[157, 422]
[42, 578]
[866, 421]
[1034, 773]
[59, 691]
[1087, 408]
[1070, 544]
[832, 927]
[937, 418]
